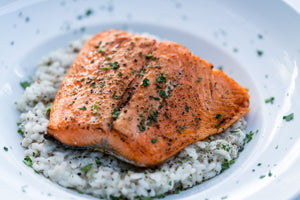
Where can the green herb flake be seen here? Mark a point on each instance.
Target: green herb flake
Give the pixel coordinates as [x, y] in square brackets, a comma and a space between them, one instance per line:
[270, 100]
[120, 74]
[179, 130]
[105, 67]
[142, 128]
[187, 108]
[114, 96]
[270, 174]
[160, 196]
[86, 168]
[166, 115]
[153, 140]
[218, 116]
[288, 117]
[20, 132]
[259, 164]
[101, 50]
[115, 113]
[142, 73]
[163, 94]
[74, 93]
[88, 12]
[114, 65]
[180, 162]
[5, 148]
[108, 58]
[25, 84]
[98, 162]
[262, 176]
[259, 52]
[162, 78]
[170, 183]
[95, 109]
[82, 108]
[149, 56]
[249, 136]
[146, 82]
[199, 79]
[156, 98]
[48, 110]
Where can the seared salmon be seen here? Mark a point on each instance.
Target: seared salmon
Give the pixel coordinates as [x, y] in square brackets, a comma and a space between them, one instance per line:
[165, 99]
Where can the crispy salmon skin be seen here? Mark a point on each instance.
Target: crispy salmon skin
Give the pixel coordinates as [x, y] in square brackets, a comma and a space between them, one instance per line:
[142, 101]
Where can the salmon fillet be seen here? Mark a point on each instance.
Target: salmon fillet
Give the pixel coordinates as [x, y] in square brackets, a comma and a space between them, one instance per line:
[173, 99]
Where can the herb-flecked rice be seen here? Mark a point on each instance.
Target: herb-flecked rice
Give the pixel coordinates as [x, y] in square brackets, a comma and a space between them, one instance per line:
[101, 175]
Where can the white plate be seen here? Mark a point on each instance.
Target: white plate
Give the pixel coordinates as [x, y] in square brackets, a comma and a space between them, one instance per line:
[226, 33]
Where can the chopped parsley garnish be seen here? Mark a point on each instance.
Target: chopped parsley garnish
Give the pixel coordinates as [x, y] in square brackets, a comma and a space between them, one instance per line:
[162, 78]
[95, 109]
[102, 83]
[115, 113]
[48, 110]
[114, 96]
[146, 82]
[262, 176]
[5, 148]
[74, 93]
[86, 168]
[179, 130]
[20, 132]
[270, 100]
[270, 174]
[155, 98]
[249, 136]
[157, 85]
[27, 161]
[218, 116]
[227, 163]
[120, 74]
[88, 12]
[101, 50]
[154, 116]
[170, 183]
[288, 117]
[93, 84]
[259, 52]
[166, 115]
[179, 161]
[142, 73]
[25, 84]
[153, 140]
[199, 79]
[107, 58]
[114, 65]
[187, 108]
[259, 164]
[161, 196]
[105, 67]
[149, 56]
[142, 128]
[98, 162]
[163, 94]
[82, 79]
[82, 108]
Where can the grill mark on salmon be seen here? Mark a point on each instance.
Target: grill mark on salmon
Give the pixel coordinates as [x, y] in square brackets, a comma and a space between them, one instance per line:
[177, 100]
